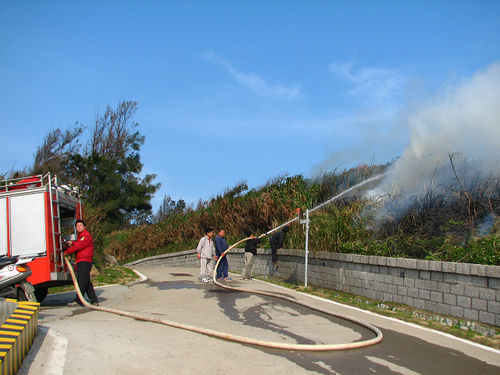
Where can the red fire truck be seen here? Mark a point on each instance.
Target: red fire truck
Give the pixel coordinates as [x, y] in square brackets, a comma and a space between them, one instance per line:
[35, 213]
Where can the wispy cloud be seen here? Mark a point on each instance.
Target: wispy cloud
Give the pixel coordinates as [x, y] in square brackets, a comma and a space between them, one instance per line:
[254, 81]
[374, 83]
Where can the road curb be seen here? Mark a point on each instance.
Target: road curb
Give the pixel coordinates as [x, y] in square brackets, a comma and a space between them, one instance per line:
[17, 334]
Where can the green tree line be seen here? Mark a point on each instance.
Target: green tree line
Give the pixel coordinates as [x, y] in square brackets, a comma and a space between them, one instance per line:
[103, 161]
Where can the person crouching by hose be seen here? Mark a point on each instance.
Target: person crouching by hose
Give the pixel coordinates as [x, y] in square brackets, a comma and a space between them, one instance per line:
[206, 251]
[276, 242]
[84, 249]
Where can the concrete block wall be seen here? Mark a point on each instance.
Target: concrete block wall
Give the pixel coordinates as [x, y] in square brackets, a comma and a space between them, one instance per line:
[463, 290]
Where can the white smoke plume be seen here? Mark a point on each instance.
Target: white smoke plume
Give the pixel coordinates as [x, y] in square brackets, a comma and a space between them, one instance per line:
[459, 129]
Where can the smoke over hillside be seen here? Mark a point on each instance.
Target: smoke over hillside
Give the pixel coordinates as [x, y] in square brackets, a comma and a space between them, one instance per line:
[455, 138]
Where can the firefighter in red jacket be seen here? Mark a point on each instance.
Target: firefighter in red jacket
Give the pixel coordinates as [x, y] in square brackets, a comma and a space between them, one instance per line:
[84, 249]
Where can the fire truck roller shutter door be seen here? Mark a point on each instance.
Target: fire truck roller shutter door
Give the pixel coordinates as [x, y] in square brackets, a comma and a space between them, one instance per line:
[27, 221]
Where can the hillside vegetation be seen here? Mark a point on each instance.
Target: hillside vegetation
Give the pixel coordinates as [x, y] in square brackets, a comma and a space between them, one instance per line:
[458, 223]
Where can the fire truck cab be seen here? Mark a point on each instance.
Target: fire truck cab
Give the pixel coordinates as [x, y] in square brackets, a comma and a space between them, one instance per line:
[36, 212]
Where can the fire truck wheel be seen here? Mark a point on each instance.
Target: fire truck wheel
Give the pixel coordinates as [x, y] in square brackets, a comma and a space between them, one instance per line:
[40, 294]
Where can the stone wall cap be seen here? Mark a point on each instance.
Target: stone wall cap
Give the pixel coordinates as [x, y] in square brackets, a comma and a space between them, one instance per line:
[161, 256]
[435, 265]
[493, 271]
[477, 270]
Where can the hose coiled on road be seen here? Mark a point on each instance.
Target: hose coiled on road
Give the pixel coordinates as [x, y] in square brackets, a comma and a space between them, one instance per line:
[236, 338]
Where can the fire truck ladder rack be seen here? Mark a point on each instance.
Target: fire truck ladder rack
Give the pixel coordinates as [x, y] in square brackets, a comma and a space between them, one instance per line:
[35, 181]
[56, 222]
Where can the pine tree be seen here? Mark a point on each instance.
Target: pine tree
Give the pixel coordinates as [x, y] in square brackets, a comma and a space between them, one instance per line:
[108, 170]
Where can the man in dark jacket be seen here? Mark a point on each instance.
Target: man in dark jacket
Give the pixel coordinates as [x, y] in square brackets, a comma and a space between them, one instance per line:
[84, 249]
[276, 242]
[248, 257]
[221, 246]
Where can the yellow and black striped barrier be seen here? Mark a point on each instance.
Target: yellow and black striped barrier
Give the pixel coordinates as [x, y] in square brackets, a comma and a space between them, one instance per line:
[17, 334]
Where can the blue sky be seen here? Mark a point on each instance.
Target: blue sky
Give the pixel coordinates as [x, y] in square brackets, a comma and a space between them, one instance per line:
[236, 90]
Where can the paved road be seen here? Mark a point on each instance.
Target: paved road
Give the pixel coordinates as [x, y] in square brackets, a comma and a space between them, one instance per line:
[74, 340]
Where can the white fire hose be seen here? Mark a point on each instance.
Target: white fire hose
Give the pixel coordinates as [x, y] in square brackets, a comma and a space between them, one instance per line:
[241, 339]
